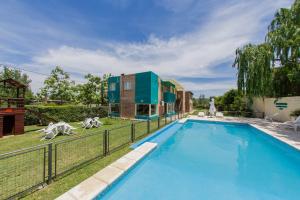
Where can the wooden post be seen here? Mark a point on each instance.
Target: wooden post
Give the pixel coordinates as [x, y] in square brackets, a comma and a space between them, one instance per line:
[1, 126]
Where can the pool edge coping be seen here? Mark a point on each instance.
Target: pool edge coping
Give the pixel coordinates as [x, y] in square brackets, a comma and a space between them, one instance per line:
[91, 187]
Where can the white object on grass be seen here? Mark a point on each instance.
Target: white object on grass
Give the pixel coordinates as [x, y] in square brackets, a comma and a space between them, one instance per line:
[91, 122]
[53, 130]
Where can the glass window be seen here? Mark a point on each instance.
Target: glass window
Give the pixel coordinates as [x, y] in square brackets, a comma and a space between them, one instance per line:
[153, 109]
[142, 109]
[115, 108]
[170, 107]
[127, 85]
[112, 86]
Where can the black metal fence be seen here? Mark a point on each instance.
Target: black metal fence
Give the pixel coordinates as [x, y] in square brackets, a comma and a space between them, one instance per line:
[27, 169]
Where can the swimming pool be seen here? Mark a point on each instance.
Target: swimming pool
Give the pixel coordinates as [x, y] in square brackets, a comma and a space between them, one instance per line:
[213, 160]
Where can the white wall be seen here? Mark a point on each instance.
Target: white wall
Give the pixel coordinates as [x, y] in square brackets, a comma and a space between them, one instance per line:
[268, 106]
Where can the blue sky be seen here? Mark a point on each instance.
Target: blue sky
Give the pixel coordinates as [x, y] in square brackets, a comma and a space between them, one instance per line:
[192, 41]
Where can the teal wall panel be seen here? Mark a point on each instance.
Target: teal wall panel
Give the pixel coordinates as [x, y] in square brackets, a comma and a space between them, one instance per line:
[146, 88]
[169, 97]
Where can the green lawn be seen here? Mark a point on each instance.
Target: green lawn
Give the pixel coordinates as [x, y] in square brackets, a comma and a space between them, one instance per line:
[80, 147]
[32, 137]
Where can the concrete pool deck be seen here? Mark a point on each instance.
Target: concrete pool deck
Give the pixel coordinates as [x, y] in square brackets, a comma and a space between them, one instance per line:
[93, 186]
[276, 130]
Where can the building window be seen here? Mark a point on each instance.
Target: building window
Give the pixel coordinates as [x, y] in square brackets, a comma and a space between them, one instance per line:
[142, 109]
[112, 87]
[153, 109]
[127, 85]
[115, 108]
[171, 107]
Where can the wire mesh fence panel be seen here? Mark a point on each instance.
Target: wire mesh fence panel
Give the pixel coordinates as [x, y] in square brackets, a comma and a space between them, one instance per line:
[119, 137]
[153, 125]
[141, 129]
[162, 122]
[72, 153]
[168, 119]
[21, 171]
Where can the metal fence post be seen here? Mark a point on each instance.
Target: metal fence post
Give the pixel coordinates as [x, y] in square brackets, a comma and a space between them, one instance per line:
[171, 117]
[107, 140]
[105, 143]
[49, 163]
[158, 122]
[165, 119]
[132, 132]
[148, 126]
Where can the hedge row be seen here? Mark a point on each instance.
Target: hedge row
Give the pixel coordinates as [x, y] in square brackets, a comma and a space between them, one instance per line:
[67, 113]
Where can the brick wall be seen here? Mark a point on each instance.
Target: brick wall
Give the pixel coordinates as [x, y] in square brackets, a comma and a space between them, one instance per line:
[188, 102]
[127, 97]
[181, 97]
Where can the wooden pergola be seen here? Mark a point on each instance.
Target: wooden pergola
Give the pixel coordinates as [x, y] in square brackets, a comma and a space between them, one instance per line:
[12, 108]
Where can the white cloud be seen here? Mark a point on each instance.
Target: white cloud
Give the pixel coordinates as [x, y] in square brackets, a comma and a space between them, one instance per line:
[190, 55]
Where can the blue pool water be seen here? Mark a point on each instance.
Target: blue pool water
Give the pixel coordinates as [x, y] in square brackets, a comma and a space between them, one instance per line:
[209, 160]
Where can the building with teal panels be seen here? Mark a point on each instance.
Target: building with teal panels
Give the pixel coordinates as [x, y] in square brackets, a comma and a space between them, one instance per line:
[141, 95]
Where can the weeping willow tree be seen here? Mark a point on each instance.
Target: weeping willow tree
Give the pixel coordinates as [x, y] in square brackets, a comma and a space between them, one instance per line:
[273, 68]
[254, 69]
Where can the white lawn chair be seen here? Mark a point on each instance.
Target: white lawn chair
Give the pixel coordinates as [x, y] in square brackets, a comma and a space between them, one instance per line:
[54, 129]
[271, 117]
[201, 114]
[219, 114]
[293, 124]
[87, 123]
[96, 123]
[45, 129]
[91, 122]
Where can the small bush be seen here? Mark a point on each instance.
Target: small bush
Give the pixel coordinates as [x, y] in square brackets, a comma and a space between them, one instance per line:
[66, 113]
[296, 113]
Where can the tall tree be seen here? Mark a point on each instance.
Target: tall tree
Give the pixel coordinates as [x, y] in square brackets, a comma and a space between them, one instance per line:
[90, 92]
[58, 86]
[273, 68]
[253, 63]
[104, 88]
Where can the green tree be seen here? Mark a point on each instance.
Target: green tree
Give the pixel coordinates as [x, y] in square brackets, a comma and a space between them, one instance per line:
[58, 86]
[18, 76]
[232, 100]
[273, 68]
[104, 89]
[253, 63]
[90, 92]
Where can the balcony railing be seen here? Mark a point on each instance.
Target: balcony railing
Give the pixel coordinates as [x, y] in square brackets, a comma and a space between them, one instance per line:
[11, 103]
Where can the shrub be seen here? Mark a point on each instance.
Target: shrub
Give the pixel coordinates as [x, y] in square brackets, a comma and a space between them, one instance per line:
[67, 113]
[295, 113]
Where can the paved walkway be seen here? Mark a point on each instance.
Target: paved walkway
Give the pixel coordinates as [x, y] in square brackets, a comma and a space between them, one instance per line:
[277, 130]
